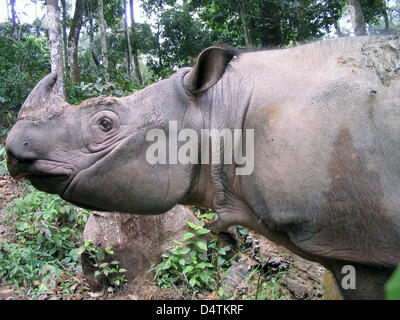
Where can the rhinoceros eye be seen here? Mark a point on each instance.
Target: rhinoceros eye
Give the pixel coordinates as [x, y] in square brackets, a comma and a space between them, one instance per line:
[105, 124]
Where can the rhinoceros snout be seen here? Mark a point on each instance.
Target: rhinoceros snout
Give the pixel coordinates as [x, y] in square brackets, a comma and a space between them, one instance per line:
[24, 160]
[17, 167]
[20, 155]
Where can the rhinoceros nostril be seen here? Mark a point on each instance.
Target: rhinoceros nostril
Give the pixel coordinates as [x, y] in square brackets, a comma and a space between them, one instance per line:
[19, 158]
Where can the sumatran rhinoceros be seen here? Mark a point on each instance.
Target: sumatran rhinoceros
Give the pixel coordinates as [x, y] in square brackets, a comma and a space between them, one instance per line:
[322, 176]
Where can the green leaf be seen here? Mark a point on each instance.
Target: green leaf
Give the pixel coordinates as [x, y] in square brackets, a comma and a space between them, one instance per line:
[109, 250]
[223, 250]
[188, 235]
[80, 251]
[174, 251]
[193, 281]
[203, 265]
[392, 287]
[99, 87]
[208, 216]
[192, 225]
[202, 231]
[187, 269]
[220, 261]
[202, 245]
[243, 230]
[88, 243]
[185, 250]
[204, 277]
[100, 254]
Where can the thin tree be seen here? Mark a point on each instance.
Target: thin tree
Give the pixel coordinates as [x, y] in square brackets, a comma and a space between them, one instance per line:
[91, 33]
[55, 41]
[243, 17]
[14, 20]
[8, 13]
[135, 58]
[73, 40]
[128, 44]
[385, 16]
[331, 10]
[360, 28]
[103, 40]
[64, 33]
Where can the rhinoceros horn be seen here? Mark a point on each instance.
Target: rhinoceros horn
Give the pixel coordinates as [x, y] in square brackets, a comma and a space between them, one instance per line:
[43, 101]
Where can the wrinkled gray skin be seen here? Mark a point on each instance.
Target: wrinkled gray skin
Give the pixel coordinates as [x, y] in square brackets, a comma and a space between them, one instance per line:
[327, 158]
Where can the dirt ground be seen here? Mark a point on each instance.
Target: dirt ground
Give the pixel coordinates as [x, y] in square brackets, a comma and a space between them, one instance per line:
[303, 279]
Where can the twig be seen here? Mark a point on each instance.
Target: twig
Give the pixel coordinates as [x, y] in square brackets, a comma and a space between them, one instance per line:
[259, 277]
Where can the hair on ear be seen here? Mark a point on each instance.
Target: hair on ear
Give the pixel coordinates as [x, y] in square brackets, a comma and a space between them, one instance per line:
[210, 66]
[230, 54]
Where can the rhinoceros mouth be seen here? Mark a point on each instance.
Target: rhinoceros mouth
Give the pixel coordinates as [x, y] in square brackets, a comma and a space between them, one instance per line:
[38, 168]
[45, 175]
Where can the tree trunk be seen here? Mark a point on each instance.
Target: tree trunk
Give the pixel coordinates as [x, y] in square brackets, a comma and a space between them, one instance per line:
[36, 10]
[64, 33]
[160, 61]
[103, 40]
[359, 27]
[385, 17]
[335, 24]
[337, 29]
[132, 239]
[55, 41]
[73, 41]
[128, 45]
[13, 18]
[91, 34]
[8, 13]
[135, 58]
[242, 13]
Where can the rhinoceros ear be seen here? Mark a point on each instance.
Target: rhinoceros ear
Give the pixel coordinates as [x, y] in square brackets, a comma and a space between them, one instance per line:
[210, 66]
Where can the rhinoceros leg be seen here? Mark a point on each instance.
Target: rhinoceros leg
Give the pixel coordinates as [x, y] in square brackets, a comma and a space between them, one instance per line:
[369, 281]
[237, 212]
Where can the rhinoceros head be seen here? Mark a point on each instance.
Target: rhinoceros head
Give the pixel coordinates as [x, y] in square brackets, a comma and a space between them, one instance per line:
[94, 154]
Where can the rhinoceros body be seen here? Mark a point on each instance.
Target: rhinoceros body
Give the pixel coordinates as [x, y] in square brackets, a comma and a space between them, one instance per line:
[326, 123]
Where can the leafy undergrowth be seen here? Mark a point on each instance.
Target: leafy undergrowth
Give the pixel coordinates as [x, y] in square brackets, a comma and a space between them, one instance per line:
[201, 266]
[40, 254]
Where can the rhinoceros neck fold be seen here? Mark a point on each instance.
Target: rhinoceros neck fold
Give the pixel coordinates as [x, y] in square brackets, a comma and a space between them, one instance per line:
[225, 106]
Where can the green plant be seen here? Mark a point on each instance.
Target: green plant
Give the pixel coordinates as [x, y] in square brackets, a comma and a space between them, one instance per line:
[195, 264]
[270, 289]
[22, 64]
[392, 287]
[267, 286]
[110, 272]
[3, 161]
[44, 233]
[76, 93]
